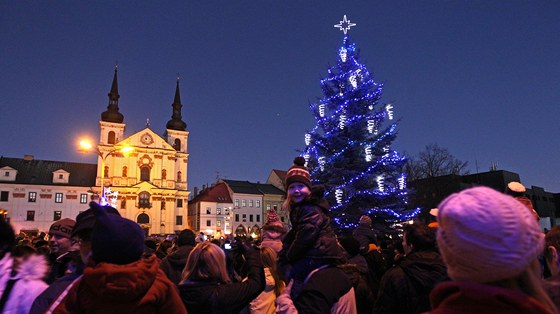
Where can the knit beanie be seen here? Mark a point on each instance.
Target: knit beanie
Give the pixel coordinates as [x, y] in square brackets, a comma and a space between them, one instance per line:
[114, 239]
[86, 219]
[365, 220]
[62, 228]
[486, 236]
[272, 218]
[298, 173]
[186, 237]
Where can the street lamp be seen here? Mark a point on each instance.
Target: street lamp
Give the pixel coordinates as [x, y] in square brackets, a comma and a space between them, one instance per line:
[87, 147]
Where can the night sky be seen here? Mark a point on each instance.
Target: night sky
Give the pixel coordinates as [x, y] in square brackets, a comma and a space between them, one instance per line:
[481, 78]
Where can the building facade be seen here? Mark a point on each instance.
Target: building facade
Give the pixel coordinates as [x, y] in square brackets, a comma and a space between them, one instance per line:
[147, 183]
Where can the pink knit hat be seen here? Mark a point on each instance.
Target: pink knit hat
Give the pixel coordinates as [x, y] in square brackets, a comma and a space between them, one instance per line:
[485, 236]
[272, 218]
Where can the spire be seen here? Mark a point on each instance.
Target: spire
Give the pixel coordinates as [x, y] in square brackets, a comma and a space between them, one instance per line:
[112, 114]
[176, 122]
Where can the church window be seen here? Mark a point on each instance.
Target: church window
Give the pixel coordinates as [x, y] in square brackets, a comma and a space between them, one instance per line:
[124, 171]
[111, 137]
[177, 144]
[145, 173]
[143, 219]
[144, 200]
[163, 174]
[179, 174]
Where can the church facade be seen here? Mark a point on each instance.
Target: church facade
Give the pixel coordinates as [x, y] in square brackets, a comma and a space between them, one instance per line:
[147, 184]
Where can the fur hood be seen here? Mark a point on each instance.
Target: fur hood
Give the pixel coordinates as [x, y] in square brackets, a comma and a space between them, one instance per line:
[33, 267]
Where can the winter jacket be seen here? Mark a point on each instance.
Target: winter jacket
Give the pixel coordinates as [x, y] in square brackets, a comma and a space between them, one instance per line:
[202, 297]
[466, 297]
[60, 265]
[406, 287]
[311, 234]
[365, 235]
[138, 287]
[47, 297]
[28, 285]
[326, 290]
[174, 263]
[265, 302]
[272, 236]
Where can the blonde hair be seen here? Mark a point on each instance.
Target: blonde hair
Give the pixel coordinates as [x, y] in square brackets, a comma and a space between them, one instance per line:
[206, 262]
[268, 257]
[530, 283]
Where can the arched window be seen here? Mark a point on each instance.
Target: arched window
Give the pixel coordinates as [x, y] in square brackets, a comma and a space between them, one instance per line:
[145, 173]
[144, 200]
[177, 144]
[143, 219]
[164, 174]
[124, 171]
[179, 174]
[111, 137]
[106, 172]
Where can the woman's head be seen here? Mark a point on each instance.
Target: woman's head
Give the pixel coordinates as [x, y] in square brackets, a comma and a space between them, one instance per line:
[486, 236]
[206, 262]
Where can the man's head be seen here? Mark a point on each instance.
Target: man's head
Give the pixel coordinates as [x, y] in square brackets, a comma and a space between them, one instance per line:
[418, 237]
[552, 249]
[186, 237]
[83, 229]
[7, 238]
[60, 236]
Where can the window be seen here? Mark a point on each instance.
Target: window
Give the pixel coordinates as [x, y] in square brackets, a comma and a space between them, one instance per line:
[57, 215]
[179, 220]
[243, 203]
[257, 203]
[179, 202]
[244, 217]
[258, 218]
[179, 175]
[236, 217]
[32, 197]
[106, 172]
[218, 223]
[6, 174]
[4, 196]
[208, 210]
[143, 219]
[267, 207]
[164, 174]
[83, 198]
[177, 144]
[250, 203]
[145, 173]
[208, 223]
[111, 137]
[58, 197]
[218, 211]
[251, 217]
[144, 200]
[30, 215]
[124, 171]
[236, 203]
[61, 176]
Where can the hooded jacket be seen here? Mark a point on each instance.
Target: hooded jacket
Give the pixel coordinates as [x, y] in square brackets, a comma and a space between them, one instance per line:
[311, 234]
[173, 264]
[138, 287]
[468, 297]
[406, 287]
[28, 285]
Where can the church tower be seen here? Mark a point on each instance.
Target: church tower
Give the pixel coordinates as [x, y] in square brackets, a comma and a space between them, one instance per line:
[111, 124]
[176, 135]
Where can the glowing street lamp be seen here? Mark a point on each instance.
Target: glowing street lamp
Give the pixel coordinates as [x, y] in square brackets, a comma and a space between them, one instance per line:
[85, 146]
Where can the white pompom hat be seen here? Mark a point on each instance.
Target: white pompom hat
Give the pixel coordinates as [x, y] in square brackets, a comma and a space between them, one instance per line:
[486, 236]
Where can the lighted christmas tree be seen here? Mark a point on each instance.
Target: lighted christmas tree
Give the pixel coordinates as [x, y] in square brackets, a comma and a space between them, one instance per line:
[349, 149]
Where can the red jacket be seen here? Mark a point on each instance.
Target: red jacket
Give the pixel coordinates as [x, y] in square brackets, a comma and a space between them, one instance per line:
[466, 297]
[139, 287]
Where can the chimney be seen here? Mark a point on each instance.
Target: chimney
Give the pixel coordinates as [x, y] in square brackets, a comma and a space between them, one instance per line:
[28, 157]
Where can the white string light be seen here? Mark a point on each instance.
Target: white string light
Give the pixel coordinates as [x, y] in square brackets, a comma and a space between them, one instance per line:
[322, 110]
[338, 196]
[389, 109]
[322, 163]
[369, 156]
[402, 182]
[307, 139]
[343, 53]
[381, 183]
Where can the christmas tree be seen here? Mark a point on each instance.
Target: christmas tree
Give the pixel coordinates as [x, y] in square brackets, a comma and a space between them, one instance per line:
[349, 149]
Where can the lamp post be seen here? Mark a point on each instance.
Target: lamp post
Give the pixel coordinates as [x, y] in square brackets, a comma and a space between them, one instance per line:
[86, 147]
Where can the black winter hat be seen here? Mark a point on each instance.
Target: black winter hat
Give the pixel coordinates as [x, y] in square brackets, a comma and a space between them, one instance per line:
[186, 237]
[86, 219]
[115, 240]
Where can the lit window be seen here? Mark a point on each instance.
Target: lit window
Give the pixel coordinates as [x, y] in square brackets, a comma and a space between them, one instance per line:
[208, 210]
[218, 211]
[243, 203]
[236, 203]
[32, 197]
[218, 223]
[250, 203]
[257, 203]
[58, 197]
[83, 198]
[57, 215]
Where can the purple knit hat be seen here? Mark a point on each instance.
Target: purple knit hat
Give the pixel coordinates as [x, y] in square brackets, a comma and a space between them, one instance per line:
[486, 236]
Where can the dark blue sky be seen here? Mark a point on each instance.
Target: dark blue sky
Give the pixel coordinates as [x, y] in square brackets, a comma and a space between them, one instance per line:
[481, 78]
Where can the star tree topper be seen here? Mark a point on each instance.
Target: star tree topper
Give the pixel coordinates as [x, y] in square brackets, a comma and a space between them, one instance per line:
[344, 25]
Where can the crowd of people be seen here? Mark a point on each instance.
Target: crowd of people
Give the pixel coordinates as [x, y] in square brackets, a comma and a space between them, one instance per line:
[483, 253]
